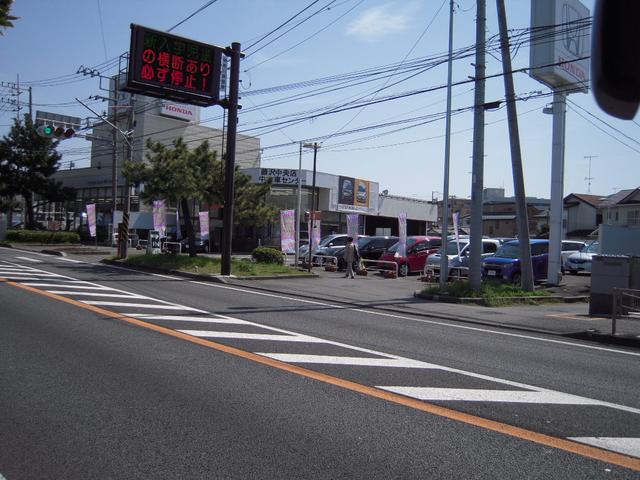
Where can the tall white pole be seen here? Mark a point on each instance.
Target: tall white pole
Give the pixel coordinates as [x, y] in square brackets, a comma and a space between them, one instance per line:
[299, 206]
[557, 181]
[444, 260]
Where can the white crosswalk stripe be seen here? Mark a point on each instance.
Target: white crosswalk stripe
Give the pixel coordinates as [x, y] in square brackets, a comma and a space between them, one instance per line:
[252, 336]
[28, 259]
[359, 361]
[625, 445]
[187, 318]
[95, 294]
[159, 306]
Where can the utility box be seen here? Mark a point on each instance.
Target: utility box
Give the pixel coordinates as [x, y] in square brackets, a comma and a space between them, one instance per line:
[3, 227]
[607, 272]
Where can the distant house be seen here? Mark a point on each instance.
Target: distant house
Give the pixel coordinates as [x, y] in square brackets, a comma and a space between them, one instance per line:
[499, 217]
[622, 209]
[581, 214]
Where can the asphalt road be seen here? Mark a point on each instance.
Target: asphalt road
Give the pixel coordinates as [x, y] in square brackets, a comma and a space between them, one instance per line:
[107, 373]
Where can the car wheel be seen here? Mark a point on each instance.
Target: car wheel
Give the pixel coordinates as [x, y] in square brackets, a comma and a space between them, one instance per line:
[516, 278]
[403, 270]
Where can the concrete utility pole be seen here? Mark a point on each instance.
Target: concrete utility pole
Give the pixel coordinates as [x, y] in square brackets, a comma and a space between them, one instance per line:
[477, 170]
[444, 260]
[229, 174]
[298, 213]
[557, 195]
[313, 203]
[589, 178]
[526, 269]
[127, 186]
[114, 157]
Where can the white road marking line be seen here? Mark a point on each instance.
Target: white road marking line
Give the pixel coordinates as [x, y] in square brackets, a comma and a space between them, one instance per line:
[186, 318]
[23, 277]
[140, 305]
[27, 273]
[286, 337]
[94, 294]
[252, 336]
[628, 446]
[357, 361]
[70, 260]
[421, 320]
[481, 395]
[60, 285]
[34, 260]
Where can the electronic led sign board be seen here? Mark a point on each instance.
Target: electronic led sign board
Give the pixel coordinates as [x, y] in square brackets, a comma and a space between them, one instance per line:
[166, 66]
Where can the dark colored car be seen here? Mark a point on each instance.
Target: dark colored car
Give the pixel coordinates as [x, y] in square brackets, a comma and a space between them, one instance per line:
[505, 264]
[202, 246]
[418, 248]
[369, 248]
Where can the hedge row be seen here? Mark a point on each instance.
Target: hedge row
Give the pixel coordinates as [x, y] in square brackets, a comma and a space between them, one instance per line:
[40, 236]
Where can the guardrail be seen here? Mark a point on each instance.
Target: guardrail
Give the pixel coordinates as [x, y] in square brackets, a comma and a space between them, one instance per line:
[626, 302]
[164, 246]
[334, 260]
[378, 262]
[432, 273]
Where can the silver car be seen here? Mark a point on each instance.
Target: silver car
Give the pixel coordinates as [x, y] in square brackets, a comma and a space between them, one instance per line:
[459, 264]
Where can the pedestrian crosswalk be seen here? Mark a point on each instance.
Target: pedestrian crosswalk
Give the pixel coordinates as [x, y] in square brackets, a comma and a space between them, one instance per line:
[424, 381]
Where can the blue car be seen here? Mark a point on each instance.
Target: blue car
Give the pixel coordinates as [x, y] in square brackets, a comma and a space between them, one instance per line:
[505, 264]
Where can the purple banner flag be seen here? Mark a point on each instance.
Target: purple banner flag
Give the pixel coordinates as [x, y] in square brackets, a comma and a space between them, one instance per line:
[456, 217]
[204, 224]
[160, 217]
[402, 235]
[91, 218]
[288, 231]
[353, 220]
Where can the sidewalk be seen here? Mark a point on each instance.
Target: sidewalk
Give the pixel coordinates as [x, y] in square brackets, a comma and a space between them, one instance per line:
[398, 296]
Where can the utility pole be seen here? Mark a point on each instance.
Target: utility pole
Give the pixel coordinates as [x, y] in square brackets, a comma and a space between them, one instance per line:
[235, 54]
[444, 260]
[298, 213]
[30, 105]
[526, 269]
[114, 156]
[589, 178]
[477, 170]
[313, 203]
[124, 242]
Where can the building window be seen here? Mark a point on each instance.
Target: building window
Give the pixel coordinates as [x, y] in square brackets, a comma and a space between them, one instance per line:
[617, 216]
[633, 218]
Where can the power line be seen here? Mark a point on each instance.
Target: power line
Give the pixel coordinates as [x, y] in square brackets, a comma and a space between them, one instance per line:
[207, 4]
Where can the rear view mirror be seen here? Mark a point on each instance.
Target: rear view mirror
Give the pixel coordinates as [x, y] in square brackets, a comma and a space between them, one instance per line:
[615, 57]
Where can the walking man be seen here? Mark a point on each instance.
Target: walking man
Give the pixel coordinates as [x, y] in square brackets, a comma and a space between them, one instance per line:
[350, 256]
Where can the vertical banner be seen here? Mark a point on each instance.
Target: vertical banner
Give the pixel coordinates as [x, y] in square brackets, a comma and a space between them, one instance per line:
[402, 235]
[455, 218]
[91, 218]
[314, 228]
[160, 217]
[288, 231]
[204, 224]
[353, 221]
[178, 231]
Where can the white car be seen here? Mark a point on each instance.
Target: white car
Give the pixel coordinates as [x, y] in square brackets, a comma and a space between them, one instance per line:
[489, 247]
[569, 247]
[581, 261]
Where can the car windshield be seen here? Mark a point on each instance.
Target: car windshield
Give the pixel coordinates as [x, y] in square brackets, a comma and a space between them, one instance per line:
[325, 240]
[591, 248]
[508, 250]
[394, 248]
[362, 241]
[452, 248]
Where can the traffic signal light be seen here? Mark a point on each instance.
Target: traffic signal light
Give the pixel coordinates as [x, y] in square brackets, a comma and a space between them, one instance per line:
[49, 131]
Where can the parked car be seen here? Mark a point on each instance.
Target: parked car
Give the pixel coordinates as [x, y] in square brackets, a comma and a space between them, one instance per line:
[505, 264]
[569, 247]
[581, 261]
[202, 246]
[418, 249]
[489, 247]
[369, 248]
[334, 241]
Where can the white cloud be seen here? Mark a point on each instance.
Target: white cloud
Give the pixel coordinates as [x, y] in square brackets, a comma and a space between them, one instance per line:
[378, 22]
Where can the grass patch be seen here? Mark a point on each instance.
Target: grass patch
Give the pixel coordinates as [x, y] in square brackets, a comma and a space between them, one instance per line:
[494, 294]
[207, 265]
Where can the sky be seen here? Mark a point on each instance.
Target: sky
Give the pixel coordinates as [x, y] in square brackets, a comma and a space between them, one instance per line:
[399, 142]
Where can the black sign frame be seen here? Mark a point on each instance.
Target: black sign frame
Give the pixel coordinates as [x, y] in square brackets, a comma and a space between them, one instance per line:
[199, 70]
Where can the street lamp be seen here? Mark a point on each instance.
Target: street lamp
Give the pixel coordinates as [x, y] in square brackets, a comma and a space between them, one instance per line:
[315, 147]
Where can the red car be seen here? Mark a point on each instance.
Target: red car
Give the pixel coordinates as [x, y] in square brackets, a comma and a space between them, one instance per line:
[418, 249]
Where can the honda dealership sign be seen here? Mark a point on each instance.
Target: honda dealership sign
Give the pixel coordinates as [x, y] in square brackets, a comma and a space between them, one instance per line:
[181, 111]
[561, 43]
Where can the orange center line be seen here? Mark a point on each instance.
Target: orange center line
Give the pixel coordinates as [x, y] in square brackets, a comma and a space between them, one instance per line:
[506, 429]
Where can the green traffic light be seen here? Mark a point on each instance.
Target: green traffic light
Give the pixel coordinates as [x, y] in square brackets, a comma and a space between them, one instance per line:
[48, 130]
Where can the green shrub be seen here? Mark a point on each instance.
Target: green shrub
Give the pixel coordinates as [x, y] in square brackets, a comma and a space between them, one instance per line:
[267, 255]
[40, 236]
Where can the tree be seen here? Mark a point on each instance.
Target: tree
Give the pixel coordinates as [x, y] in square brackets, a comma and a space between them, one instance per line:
[178, 174]
[27, 161]
[6, 20]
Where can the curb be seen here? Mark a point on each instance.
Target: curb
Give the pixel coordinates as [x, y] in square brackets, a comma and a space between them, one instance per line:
[212, 277]
[516, 300]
